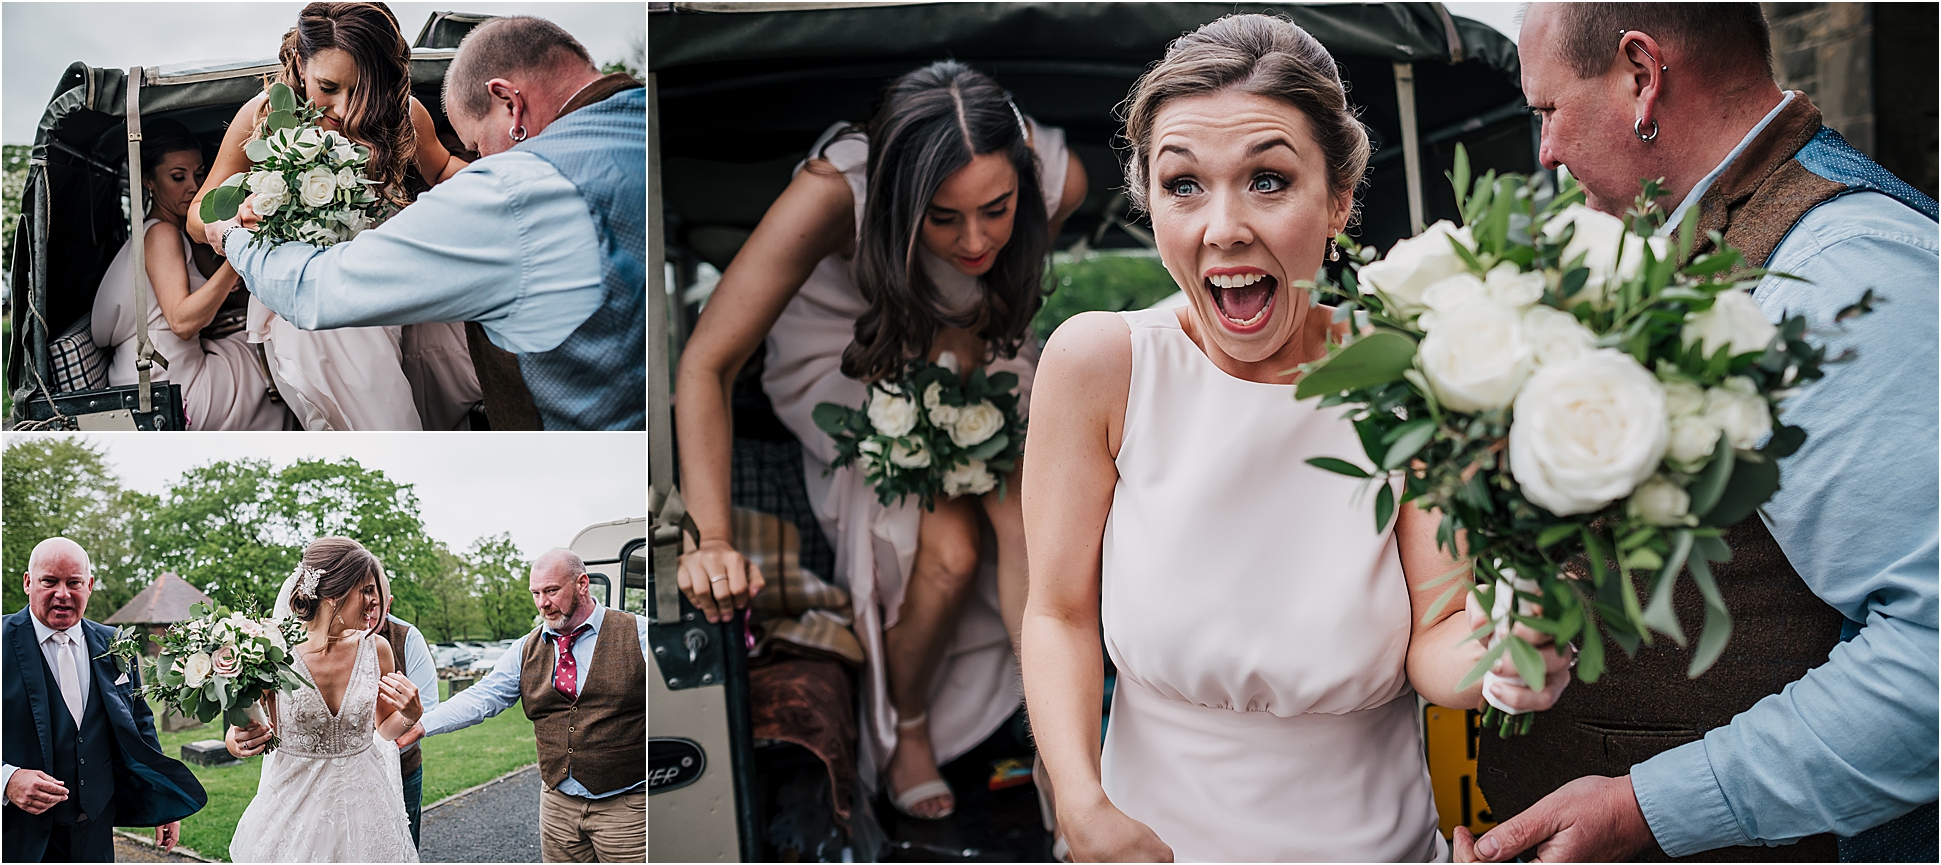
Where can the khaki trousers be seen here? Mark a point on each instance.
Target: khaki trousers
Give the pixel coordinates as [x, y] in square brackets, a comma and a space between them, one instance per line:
[572, 829]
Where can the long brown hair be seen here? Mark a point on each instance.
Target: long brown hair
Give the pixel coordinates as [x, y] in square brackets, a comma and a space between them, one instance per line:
[932, 122]
[380, 104]
[343, 565]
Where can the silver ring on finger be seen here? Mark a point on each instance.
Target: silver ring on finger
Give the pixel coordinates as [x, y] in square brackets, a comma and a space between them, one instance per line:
[720, 579]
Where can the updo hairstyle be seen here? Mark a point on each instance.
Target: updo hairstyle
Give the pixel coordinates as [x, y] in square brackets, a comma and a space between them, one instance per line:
[345, 565]
[1258, 54]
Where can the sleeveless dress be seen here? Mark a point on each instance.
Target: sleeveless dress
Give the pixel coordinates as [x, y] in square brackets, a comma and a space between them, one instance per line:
[223, 387]
[332, 791]
[1259, 624]
[976, 686]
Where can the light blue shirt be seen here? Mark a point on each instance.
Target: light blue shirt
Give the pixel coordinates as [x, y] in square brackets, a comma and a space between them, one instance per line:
[419, 668]
[508, 242]
[1853, 743]
[500, 689]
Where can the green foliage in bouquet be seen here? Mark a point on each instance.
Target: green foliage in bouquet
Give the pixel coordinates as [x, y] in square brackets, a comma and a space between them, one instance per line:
[930, 433]
[1561, 386]
[309, 182]
[217, 663]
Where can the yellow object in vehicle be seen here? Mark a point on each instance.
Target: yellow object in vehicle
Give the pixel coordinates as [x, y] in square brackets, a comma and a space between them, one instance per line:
[1449, 738]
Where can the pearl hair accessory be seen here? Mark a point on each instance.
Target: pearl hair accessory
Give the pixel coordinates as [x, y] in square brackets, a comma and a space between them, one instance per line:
[307, 581]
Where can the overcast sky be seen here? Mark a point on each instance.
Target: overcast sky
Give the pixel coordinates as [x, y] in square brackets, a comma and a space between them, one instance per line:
[542, 488]
[39, 40]
[1501, 16]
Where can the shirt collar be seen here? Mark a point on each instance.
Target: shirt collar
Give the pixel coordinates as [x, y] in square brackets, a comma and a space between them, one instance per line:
[42, 631]
[592, 622]
[1698, 192]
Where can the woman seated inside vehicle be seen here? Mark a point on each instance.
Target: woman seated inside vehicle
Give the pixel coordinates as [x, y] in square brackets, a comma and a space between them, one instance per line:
[224, 385]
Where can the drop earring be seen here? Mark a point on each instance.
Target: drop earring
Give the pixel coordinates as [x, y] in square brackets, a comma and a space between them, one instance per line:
[1334, 250]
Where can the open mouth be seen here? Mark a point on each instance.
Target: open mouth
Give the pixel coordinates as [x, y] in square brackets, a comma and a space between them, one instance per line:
[1245, 300]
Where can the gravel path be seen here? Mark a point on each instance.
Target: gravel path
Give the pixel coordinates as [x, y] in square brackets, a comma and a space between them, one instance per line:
[129, 850]
[497, 823]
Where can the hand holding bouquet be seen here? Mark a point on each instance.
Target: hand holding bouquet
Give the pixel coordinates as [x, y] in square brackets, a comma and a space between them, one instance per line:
[218, 663]
[1559, 386]
[309, 182]
[930, 433]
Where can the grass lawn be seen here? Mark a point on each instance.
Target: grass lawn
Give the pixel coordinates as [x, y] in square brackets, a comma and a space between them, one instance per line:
[453, 762]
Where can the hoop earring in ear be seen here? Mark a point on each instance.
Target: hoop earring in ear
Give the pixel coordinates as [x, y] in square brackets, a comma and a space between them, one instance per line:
[517, 133]
[1637, 128]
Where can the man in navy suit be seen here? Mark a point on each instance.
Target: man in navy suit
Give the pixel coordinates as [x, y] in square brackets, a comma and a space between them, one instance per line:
[81, 755]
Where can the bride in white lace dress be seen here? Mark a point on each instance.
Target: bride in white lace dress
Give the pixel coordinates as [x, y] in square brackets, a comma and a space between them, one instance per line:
[331, 791]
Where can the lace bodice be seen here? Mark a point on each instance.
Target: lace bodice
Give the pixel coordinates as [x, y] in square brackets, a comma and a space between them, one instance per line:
[309, 730]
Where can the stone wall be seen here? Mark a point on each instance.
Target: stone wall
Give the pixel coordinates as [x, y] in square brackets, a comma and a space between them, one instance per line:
[1870, 67]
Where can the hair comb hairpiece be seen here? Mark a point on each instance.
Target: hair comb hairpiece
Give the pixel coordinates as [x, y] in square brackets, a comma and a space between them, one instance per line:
[307, 581]
[1023, 131]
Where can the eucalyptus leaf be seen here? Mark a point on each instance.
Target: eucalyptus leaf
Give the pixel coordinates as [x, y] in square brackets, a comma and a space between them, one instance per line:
[1718, 622]
[222, 203]
[1710, 485]
[1659, 615]
[257, 150]
[1755, 478]
[1407, 440]
[281, 120]
[1384, 506]
[1377, 358]
[282, 97]
[831, 418]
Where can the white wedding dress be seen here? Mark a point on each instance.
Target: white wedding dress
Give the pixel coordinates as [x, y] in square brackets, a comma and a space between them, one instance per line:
[332, 791]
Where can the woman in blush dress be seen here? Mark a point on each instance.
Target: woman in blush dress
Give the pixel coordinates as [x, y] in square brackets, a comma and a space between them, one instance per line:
[1269, 642]
[350, 60]
[923, 232]
[223, 382]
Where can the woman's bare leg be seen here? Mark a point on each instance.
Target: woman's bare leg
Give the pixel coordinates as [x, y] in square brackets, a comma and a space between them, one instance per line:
[940, 580]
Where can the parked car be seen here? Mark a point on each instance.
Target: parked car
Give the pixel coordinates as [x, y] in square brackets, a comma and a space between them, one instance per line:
[483, 664]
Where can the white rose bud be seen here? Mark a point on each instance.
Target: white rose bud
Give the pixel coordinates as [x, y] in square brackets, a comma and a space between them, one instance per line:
[309, 144]
[1555, 336]
[943, 416]
[1511, 286]
[1739, 412]
[1598, 238]
[1683, 398]
[891, 415]
[1587, 432]
[196, 669]
[976, 424]
[1693, 439]
[1662, 503]
[1416, 263]
[1476, 358]
[316, 186]
[910, 453]
[971, 478]
[346, 178]
[1735, 319]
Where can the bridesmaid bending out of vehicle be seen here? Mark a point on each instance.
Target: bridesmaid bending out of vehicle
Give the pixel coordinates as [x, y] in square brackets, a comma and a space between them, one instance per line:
[921, 233]
[350, 60]
[1267, 637]
[224, 385]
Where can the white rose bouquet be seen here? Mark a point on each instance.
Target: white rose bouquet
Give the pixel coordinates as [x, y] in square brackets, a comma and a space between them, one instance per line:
[218, 663]
[1560, 386]
[931, 433]
[309, 182]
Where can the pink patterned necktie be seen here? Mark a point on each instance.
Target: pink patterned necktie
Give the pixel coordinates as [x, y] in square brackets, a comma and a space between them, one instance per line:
[566, 672]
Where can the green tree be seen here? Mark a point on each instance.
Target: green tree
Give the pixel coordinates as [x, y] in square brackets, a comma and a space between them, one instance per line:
[1111, 281]
[13, 184]
[237, 529]
[57, 486]
[501, 575]
[450, 610]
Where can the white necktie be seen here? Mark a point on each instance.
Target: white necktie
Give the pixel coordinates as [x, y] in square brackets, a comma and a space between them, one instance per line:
[68, 676]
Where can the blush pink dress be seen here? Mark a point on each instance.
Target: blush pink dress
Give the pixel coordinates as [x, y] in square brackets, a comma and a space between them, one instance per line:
[1259, 624]
[976, 686]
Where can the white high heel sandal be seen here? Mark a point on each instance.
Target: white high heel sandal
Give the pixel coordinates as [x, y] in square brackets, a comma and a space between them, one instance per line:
[925, 791]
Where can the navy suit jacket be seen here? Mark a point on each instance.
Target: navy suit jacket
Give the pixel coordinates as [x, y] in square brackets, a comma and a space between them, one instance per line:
[150, 788]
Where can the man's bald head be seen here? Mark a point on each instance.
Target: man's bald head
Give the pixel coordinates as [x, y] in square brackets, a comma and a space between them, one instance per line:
[56, 552]
[59, 581]
[559, 589]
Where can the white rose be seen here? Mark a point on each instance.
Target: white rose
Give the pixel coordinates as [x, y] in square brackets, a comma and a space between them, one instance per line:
[870, 453]
[353, 220]
[1662, 503]
[910, 453]
[1587, 432]
[276, 637]
[1555, 336]
[196, 669]
[1509, 285]
[1598, 238]
[346, 178]
[1683, 398]
[1739, 412]
[976, 424]
[315, 234]
[1416, 263]
[972, 478]
[282, 142]
[316, 186]
[1735, 319]
[1451, 292]
[1693, 439]
[267, 183]
[891, 415]
[1476, 356]
[933, 402]
[267, 204]
[309, 144]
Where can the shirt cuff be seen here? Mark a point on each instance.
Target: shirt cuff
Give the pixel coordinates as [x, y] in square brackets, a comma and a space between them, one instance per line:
[1683, 803]
[6, 777]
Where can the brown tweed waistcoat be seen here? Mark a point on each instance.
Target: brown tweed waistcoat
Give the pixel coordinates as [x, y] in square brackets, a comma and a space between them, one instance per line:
[413, 759]
[600, 738]
[1645, 705]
